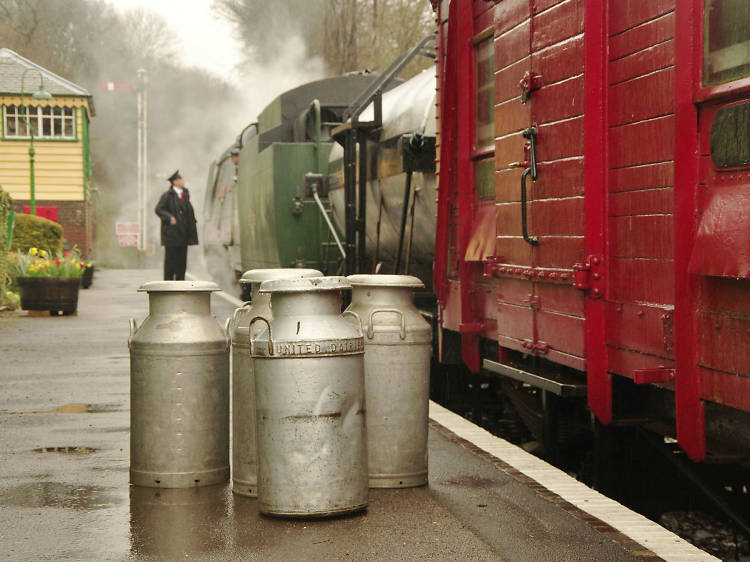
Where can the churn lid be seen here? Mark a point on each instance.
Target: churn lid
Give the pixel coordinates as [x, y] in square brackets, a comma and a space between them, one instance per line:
[178, 286]
[260, 275]
[309, 284]
[383, 280]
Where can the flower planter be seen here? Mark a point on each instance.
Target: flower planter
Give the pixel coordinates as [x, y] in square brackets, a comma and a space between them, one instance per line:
[88, 277]
[56, 294]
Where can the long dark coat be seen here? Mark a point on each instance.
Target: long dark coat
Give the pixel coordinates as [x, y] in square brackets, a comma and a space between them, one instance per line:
[185, 232]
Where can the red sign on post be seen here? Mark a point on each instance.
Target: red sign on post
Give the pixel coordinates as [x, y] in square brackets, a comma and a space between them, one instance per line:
[127, 233]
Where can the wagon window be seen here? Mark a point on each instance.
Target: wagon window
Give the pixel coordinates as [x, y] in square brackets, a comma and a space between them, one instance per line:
[726, 41]
[485, 92]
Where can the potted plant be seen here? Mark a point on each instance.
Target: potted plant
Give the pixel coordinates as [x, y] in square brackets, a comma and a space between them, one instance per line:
[48, 282]
[88, 275]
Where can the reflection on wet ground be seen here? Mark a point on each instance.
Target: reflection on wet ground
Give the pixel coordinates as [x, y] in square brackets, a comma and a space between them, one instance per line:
[59, 494]
[76, 409]
[65, 450]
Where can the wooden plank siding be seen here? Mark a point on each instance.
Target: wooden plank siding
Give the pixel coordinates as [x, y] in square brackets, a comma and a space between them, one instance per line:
[59, 165]
[641, 172]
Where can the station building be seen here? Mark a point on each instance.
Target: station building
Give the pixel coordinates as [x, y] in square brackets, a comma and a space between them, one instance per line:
[63, 170]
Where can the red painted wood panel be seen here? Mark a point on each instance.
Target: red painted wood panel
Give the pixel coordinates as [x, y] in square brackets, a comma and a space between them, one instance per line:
[642, 62]
[561, 178]
[730, 390]
[727, 294]
[562, 252]
[642, 143]
[507, 184]
[559, 298]
[509, 13]
[511, 116]
[562, 217]
[507, 81]
[508, 218]
[483, 16]
[515, 321]
[508, 149]
[558, 101]
[640, 327]
[627, 99]
[650, 236]
[623, 362]
[512, 46]
[724, 342]
[513, 291]
[564, 333]
[644, 202]
[638, 177]
[513, 249]
[542, 5]
[560, 61]
[626, 14]
[641, 37]
[560, 140]
[641, 280]
[561, 22]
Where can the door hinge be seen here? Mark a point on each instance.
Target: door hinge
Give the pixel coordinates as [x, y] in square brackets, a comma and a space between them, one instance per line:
[589, 276]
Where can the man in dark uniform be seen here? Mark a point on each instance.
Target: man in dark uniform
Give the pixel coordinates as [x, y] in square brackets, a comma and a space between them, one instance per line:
[178, 230]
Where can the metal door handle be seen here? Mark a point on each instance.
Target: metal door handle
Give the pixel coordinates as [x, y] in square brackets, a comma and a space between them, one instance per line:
[250, 335]
[371, 328]
[529, 134]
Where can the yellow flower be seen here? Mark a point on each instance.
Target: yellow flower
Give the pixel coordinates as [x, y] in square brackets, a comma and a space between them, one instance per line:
[43, 253]
[33, 251]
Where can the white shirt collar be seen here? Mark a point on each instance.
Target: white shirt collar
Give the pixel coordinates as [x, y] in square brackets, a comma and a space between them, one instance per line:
[177, 190]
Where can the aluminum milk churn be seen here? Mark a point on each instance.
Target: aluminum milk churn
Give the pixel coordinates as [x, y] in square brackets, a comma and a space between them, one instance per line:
[179, 389]
[397, 378]
[244, 463]
[309, 388]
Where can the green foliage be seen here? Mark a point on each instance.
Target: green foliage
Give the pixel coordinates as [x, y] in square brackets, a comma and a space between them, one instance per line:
[6, 297]
[37, 232]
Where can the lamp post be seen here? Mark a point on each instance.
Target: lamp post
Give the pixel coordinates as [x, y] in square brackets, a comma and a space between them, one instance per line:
[40, 94]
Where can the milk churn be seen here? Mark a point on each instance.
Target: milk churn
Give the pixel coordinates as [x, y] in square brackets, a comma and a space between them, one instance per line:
[397, 378]
[179, 389]
[244, 463]
[309, 385]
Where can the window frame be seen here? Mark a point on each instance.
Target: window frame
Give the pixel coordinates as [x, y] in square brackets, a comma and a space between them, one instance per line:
[703, 93]
[480, 154]
[40, 119]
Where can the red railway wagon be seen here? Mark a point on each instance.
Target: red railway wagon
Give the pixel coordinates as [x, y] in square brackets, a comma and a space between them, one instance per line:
[594, 202]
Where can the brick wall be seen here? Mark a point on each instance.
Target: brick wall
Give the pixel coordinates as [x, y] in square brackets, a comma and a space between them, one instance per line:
[76, 218]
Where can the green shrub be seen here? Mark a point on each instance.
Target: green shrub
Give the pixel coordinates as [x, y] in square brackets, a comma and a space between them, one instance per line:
[5, 295]
[36, 232]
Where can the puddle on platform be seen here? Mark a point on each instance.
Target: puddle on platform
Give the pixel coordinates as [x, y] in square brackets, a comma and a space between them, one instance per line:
[66, 450]
[76, 409]
[58, 494]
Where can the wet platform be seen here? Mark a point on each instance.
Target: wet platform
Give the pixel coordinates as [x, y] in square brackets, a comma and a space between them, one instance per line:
[64, 493]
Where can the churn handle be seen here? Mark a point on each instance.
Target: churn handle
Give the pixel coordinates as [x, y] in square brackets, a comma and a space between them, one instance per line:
[371, 329]
[250, 334]
[133, 330]
[359, 320]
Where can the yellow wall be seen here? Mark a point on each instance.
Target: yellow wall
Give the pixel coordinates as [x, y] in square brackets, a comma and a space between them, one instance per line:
[58, 165]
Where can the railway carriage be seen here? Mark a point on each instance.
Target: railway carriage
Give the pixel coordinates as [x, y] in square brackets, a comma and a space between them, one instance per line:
[593, 218]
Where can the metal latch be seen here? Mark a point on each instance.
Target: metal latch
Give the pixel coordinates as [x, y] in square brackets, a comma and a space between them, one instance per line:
[531, 81]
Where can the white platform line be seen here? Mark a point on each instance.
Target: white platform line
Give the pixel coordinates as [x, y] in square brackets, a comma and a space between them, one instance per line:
[221, 294]
[642, 530]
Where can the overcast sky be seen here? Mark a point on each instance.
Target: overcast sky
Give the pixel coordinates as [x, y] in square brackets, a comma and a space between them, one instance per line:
[205, 39]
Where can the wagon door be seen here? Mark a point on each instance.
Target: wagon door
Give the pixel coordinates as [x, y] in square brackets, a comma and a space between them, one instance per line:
[539, 179]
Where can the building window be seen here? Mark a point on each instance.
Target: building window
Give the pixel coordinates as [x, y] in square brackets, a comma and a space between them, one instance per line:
[46, 122]
[726, 42]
